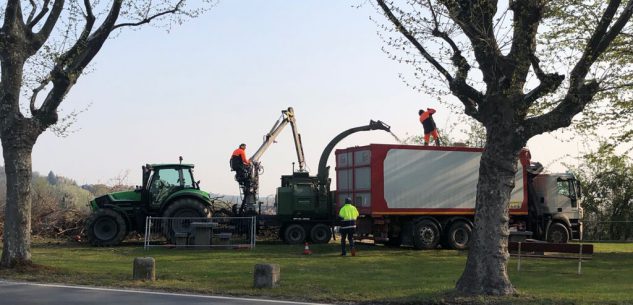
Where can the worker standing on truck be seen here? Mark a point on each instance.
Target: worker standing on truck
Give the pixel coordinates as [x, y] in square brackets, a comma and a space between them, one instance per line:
[426, 118]
[239, 163]
[348, 215]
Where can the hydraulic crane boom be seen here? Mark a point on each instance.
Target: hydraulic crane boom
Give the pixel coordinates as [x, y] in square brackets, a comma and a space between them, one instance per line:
[287, 116]
[251, 189]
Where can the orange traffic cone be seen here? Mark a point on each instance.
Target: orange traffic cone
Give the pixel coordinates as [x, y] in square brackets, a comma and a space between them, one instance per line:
[306, 249]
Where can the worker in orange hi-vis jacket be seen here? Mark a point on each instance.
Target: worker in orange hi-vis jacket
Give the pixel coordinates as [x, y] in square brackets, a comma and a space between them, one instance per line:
[239, 163]
[426, 118]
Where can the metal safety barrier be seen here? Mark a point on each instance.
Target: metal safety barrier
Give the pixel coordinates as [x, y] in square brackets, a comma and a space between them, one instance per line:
[200, 232]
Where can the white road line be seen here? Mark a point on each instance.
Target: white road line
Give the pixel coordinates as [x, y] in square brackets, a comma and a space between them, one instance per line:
[5, 283]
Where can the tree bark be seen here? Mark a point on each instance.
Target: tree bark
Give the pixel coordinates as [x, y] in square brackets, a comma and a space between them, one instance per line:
[486, 266]
[17, 224]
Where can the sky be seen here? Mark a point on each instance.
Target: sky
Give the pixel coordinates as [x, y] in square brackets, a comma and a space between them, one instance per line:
[222, 79]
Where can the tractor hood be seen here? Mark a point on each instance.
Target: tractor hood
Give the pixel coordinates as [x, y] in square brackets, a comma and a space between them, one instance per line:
[126, 196]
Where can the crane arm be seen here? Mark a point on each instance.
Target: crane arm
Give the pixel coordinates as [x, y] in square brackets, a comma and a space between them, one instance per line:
[287, 117]
[297, 137]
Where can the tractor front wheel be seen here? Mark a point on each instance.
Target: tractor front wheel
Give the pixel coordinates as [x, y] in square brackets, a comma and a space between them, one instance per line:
[106, 227]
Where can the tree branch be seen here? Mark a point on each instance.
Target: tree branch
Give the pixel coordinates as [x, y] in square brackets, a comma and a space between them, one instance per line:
[548, 84]
[150, 18]
[413, 41]
[527, 16]
[470, 97]
[40, 38]
[36, 91]
[70, 65]
[581, 92]
[475, 20]
[31, 22]
[562, 115]
[615, 30]
[12, 12]
[581, 68]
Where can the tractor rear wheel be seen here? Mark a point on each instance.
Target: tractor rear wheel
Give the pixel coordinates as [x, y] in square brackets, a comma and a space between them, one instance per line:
[181, 211]
[106, 227]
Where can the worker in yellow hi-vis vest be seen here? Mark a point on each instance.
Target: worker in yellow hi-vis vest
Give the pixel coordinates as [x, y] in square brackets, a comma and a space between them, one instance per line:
[348, 215]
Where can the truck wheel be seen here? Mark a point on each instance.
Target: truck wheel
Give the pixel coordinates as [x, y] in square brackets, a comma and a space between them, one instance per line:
[459, 235]
[106, 227]
[294, 234]
[426, 235]
[557, 233]
[320, 234]
[182, 208]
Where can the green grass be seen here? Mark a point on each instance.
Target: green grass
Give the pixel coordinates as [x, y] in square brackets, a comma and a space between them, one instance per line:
[377, 274]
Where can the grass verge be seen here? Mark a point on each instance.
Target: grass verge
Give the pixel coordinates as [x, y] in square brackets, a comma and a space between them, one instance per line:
[377, 275]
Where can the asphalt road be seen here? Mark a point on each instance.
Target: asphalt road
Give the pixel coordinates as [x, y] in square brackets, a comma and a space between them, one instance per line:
[20, 293]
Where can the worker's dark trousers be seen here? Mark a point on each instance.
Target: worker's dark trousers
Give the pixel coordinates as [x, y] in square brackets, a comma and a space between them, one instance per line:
[349, 233]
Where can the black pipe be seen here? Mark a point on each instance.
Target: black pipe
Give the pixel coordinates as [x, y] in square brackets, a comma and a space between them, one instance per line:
[324, 170]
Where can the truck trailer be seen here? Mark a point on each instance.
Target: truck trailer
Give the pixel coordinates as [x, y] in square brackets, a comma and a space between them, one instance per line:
[424, 196]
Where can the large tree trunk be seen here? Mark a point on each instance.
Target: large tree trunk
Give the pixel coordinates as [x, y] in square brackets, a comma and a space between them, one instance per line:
[17, 150]
[486, 267]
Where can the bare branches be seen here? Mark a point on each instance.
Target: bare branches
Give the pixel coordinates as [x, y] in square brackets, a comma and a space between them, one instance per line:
[580, 91]
[31, 22]
[562, 115]
[149, 19]
[475, 18]
[470, 97]
[458, 60]
[70, 65]
[36, 91]
[400, 27]
[591, 51]
[41, 37]
[548, 84]
[527, 16]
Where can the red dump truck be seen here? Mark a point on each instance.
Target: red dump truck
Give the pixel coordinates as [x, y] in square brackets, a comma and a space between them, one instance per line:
[424, 196]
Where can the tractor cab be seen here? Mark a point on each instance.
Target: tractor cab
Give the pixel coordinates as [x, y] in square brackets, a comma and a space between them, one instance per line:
[162, 180]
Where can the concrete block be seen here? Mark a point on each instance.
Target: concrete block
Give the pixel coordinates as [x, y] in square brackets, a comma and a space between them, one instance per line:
[181, 238]
[144, 269]
[266, 276]
[202, 232]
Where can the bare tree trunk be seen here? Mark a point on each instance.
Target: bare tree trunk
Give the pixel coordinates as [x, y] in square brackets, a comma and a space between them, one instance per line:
[17, 223]
[486, 267]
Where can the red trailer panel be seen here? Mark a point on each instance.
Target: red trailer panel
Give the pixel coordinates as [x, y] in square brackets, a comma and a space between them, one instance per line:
[388, 179]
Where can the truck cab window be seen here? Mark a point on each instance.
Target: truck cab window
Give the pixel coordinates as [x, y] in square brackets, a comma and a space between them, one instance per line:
[563, 188]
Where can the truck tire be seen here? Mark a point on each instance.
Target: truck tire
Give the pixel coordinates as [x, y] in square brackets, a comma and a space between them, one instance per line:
[459, 236]
[426, 235]
[182, 208]
[295, 234]
[557, 233]
[320, 234]
[106, 227]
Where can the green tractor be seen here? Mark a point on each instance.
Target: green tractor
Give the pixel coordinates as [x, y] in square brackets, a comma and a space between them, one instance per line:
[168, 190]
